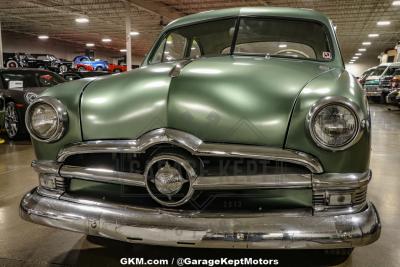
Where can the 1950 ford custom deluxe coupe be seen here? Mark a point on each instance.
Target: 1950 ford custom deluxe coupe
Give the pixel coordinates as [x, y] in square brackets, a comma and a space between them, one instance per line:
[241, 129]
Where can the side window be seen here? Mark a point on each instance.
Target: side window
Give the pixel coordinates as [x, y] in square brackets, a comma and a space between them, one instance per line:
[175, 47]
[157, 58]
[195, 51]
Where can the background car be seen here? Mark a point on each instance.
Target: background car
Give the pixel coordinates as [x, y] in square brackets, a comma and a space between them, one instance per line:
[84, 63]
[18, 88]
[371, 84]
[365, 75]
[385, 81]
[117, 68]
[76, 75]
[53, 63]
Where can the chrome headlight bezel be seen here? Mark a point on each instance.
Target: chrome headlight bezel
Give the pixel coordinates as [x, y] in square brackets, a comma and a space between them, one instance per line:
[62, 118]
[353, 108]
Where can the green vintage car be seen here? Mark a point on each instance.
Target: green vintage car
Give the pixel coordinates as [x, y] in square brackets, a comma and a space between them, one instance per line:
[241, 129]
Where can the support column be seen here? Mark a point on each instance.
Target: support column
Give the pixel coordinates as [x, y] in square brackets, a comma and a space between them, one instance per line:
[1, 49]
[128, 41]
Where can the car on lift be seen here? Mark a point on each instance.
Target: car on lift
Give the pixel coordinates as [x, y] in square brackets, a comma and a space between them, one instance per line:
[84, 63]
[76, 75]
[241, 129]
[18, 88]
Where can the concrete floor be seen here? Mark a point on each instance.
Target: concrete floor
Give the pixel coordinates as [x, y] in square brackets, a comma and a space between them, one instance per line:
[26, 244]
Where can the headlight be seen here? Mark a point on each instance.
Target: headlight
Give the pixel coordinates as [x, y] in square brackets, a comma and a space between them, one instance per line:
[30, 97]
[46, 119]
[334, 123]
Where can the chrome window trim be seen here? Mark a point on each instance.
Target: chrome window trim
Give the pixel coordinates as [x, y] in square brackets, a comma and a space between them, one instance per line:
[339, 100]
[194, 145]
[62, 118]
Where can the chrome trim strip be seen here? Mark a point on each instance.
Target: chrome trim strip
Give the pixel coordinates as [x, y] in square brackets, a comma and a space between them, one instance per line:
[102, 175]
[253, 181]
[341, 180]
[194, 145]
[200, 229]
[46, 166]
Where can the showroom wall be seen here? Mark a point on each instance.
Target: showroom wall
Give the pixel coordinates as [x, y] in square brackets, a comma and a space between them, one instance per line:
[17, 42]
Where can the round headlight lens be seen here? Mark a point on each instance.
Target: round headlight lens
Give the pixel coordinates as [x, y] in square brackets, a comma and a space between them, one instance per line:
[44, 120]
[334, 125]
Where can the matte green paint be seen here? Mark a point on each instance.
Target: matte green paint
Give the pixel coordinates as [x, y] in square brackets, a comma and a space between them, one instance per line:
[224, 99]
[69, 94]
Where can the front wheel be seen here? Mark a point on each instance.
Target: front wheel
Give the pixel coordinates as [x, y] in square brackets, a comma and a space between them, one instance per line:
[14, 123]
[99, 68]
[11, 64]
[117, 70]
[80, 69]
[63, 68]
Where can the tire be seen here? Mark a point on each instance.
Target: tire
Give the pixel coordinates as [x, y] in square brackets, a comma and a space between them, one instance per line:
[117, 71]
[14, 123]
[81, 69]
[11, 64]
[99, 68]
[63, 68]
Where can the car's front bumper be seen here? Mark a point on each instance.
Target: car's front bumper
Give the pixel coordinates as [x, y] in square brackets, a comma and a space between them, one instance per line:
[275, 230]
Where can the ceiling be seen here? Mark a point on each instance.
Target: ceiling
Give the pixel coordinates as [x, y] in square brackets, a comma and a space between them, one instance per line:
[355, 19]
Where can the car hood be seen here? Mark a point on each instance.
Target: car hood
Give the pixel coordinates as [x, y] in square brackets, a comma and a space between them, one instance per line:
[226, 99]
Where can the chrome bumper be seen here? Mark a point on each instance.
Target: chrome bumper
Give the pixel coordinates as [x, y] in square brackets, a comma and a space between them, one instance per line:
[277, 230]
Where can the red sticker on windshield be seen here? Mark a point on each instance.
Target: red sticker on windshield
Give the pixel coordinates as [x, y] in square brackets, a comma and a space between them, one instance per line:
[327, 55]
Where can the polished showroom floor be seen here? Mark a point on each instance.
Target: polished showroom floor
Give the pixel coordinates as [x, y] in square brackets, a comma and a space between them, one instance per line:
[26, 244]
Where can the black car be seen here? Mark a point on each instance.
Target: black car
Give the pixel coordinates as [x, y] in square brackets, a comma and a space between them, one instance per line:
[18, 88]
[76, 75]
[53, 63]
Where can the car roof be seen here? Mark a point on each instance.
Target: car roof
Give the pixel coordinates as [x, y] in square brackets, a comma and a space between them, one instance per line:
[250, 11]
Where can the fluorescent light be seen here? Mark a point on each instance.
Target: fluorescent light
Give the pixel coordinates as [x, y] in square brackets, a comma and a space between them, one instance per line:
[134, 33]
[356, 57]
[282, 46]
[90, 44]
[396, 3]
[383, 23]
[373, 35]
[122, 50]
[358, 54]
[351, 62]
[82, 20]
[106, 40]
[43, 37]
[366, 43]
[362, 49]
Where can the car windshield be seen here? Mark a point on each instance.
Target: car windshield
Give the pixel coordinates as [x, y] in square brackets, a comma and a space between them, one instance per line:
[17, 79]
[283, 38]
[255, 36]
[391, 71]
[378, 71]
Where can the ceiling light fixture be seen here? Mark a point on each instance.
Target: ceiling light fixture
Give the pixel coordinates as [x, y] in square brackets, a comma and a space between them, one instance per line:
[351, 62]
[122, 50]
[90, 44]
[396, 3]
[383, 23]
[106, 40]
[366, 43]
[43, 37]
[358, 54]
[356, 57]
[82, 20]
[373, 35]
[134, 33]
[362, 49]
[282, 46]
